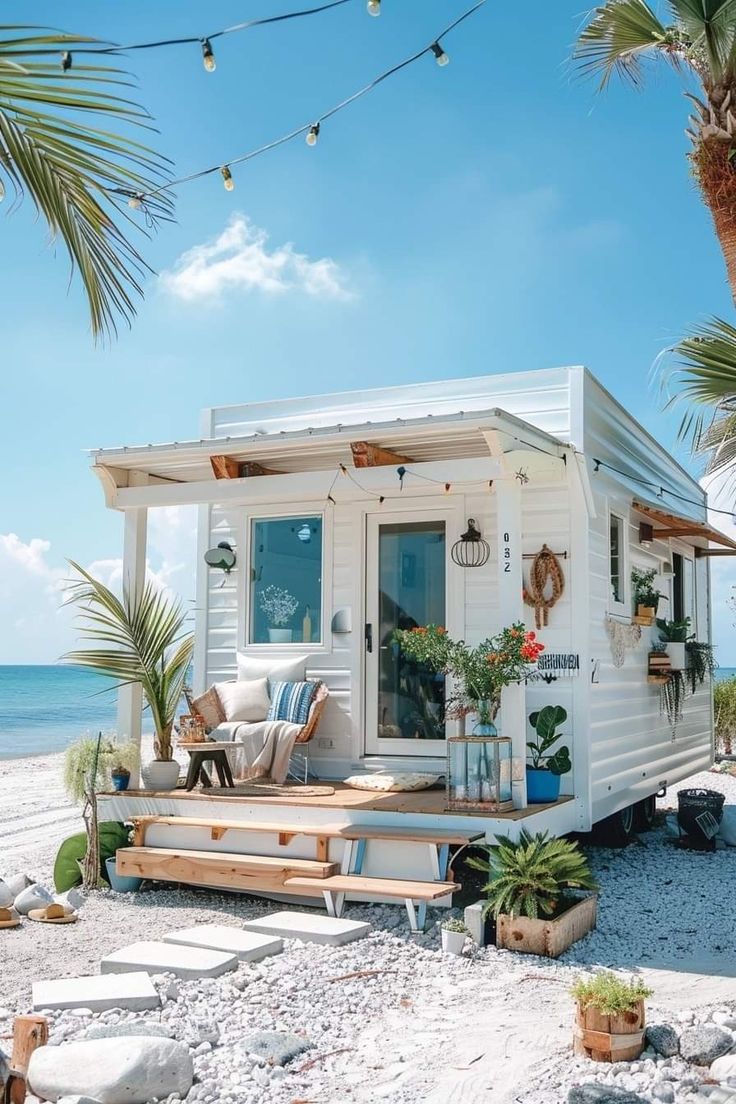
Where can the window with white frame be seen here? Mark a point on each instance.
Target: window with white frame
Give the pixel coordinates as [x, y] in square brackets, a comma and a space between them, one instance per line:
[683, 589]
[617, 560]
[286, 580]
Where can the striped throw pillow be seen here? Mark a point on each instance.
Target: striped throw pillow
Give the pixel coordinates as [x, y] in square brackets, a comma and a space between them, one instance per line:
[291, 701]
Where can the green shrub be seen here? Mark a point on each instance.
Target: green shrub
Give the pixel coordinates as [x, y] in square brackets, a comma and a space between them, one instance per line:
[724, 709]
[609, 993]
[529, 876]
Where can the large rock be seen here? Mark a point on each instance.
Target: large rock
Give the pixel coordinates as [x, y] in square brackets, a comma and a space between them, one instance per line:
[664, 1038]
[16, 883]
[593, 1093]
[6, 894]
[277, 1047]
[33, 897]
[112, 1071]
[724, 1067]
[701, 1045]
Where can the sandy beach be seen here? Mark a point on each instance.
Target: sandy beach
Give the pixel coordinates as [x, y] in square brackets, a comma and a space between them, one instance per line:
[422, 1025]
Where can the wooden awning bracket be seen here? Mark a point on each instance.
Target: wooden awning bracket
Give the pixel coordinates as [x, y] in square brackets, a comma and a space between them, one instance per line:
[366, 455]
[227, 467]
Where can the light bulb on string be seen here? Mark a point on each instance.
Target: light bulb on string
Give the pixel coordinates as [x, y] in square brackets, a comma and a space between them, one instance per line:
[227, 178]
[312, 135]
[448, 487]
[439, 54]
[66, 60]
[208, 56]
[374, 7]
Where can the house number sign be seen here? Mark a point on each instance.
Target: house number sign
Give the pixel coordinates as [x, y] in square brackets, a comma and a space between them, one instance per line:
[506, 553]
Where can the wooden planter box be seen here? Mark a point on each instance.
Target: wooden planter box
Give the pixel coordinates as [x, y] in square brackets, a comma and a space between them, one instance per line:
[547, 937]
[617, 1038]
[645, 615]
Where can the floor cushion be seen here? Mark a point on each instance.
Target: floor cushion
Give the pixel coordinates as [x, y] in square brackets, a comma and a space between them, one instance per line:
[276, 670]
[392, 782]
[209, 707]
[291, 701]
[245, 699]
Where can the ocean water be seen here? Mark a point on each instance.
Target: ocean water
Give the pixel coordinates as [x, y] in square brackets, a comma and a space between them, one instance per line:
[45, 708]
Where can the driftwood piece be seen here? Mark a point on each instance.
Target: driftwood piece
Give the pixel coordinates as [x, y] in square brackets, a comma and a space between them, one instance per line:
[609, 1038]
[29, 1033]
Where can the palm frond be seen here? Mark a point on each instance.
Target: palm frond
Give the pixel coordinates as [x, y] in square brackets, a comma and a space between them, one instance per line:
[77, 173]
[619, 37]
[529, 875]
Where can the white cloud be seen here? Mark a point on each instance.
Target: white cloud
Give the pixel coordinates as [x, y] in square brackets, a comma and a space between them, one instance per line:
[38, 628]
[239, 259]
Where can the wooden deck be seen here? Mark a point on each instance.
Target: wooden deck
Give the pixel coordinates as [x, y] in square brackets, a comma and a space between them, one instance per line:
[346, 798]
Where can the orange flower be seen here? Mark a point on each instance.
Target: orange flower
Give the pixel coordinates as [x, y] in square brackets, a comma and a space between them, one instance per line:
[419, 629]
[441, 630]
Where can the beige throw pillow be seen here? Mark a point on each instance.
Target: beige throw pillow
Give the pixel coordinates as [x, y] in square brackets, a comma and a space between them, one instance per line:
[275, 670]
[244, 700]
[403, 782]
[209, 707]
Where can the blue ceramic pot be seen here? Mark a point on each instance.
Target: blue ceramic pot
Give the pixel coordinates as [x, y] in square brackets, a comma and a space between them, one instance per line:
[118, 882]
[120, 781]
[542, 786]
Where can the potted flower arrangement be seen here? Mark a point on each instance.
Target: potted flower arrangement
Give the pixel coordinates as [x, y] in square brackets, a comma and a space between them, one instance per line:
[528, 892]
[544, 773]
[646, 596]
[478, 674]
[609, 1017]
[453, 934]
[279, 607]
[139, 640]
[673, 635]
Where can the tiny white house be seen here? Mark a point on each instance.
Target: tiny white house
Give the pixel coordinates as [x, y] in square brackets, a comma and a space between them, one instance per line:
[343, 514]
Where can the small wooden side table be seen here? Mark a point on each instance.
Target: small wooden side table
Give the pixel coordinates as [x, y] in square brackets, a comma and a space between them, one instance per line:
[208, 751]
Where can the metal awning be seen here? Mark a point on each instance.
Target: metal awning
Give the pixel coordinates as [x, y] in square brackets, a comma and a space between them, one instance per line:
[667, 524]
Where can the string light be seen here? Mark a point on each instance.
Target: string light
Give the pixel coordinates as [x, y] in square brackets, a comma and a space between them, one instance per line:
[440, 56]
[661, 491]
[66, 60]
[313, 134]
[374, 7]
[227, 178]
[208, 56]
[308, 127]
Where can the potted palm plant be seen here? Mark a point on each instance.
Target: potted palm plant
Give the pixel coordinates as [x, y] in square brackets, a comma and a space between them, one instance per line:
[140, 640]
[529, 893]
[544, 773]
[673, 635]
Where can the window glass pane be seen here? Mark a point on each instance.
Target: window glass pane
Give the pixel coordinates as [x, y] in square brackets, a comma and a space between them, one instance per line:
[616, 558]
[286, 581]
[678, 604]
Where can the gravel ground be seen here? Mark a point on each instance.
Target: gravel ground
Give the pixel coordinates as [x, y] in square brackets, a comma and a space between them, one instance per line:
[420, 1025]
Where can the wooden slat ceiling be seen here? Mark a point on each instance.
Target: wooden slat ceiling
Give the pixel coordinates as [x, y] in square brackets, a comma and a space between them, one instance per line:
[677, 525]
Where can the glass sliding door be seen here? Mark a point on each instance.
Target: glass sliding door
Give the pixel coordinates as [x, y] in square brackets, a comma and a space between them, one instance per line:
[406, 578]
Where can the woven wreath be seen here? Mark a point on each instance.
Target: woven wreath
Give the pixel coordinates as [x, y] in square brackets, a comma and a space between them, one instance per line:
[546, 585]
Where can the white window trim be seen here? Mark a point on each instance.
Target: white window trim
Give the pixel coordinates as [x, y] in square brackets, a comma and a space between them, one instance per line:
[687, 552]
[622, 608]
[301, 509]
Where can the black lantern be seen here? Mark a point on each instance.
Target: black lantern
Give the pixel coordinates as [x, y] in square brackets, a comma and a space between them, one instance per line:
[471, 550]
[221, 557]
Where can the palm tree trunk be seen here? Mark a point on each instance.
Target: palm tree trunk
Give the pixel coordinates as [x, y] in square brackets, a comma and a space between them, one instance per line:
[162, 743]
[716, 174]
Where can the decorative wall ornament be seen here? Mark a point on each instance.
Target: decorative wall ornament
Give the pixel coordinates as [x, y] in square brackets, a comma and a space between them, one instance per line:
[554, 665]
[471, 550]
[546, 585]
[622, 636]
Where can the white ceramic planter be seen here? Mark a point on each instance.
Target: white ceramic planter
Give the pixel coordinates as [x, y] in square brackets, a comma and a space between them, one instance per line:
[676, 651]
[160, 775]
[280, 636]
[453, 942]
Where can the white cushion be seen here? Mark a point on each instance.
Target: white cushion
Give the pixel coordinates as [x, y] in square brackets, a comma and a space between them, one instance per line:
[244, 700]
[276, 670]
[397, 783]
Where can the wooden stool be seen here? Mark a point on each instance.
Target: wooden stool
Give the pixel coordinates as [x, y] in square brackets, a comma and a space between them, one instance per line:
[201, 753]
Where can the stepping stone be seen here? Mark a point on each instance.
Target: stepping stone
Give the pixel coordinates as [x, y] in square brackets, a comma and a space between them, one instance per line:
[310, 927]
[248, 946]
[133, 991]
[167, 958]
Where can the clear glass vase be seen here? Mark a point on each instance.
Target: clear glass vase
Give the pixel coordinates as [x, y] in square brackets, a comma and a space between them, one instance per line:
[486, 711]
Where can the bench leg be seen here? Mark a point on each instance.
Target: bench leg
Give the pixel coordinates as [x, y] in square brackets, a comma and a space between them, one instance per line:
[417, 918]
[330, 902]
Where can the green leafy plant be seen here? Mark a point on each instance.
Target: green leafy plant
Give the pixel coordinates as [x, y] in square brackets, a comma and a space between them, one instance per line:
[724, 705]
[146, 645]
[530, 876]
[545, 723]
[454, 925]
[71, 855]
[645, 593]
[701, 663]
[609, 993]
[57, 146]
[675, 632]
[672, 696]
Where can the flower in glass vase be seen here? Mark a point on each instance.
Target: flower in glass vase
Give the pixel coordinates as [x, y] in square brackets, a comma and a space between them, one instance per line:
[279, 607]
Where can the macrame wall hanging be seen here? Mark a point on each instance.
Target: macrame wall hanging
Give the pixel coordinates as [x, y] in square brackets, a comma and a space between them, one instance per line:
[622, 636]
[546, 585]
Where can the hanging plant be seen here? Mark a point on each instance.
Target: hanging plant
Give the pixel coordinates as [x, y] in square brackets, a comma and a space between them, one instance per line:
[672, 696]
[701, 663]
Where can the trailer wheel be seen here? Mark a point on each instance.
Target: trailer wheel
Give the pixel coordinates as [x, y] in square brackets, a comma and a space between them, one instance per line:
[618, 829]
[644, 812]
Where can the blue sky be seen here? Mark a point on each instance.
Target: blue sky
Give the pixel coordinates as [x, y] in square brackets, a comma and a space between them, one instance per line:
[494, 215]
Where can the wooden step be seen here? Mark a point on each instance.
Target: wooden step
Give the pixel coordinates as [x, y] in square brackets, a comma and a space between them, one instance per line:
[408, 835]
[222, 869]
[378, 887]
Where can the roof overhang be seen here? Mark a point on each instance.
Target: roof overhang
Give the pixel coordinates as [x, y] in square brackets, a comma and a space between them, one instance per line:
[211, 463]
[666, 524]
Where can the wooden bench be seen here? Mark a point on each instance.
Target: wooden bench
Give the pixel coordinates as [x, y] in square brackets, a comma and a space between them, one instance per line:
[218, 868]
[334, 888]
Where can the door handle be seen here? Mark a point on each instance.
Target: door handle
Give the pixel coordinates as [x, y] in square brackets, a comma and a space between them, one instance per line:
[368, 637]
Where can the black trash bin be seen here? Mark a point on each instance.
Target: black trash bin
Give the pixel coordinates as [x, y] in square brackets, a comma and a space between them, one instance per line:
[699, 814]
